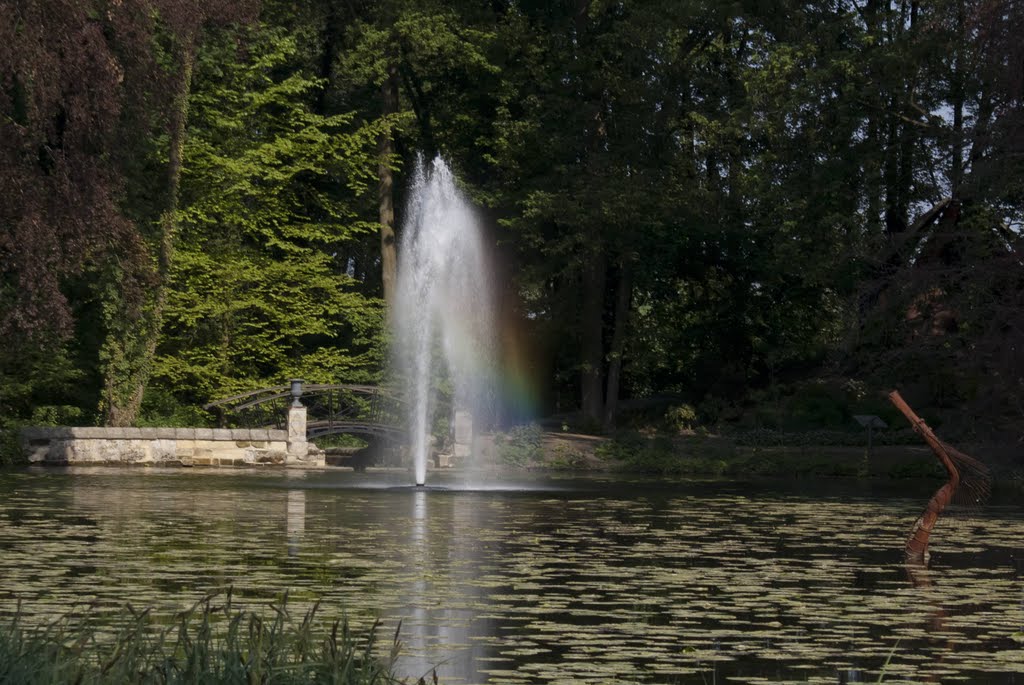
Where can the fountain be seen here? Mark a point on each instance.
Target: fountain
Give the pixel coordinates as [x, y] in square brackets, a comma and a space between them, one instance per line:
[444, 309]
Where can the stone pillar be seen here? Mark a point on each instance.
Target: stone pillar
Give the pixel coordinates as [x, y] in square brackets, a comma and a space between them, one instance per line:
[298, 448]
[463, 443]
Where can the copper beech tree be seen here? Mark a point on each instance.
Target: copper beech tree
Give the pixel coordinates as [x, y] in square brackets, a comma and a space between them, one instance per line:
[62, 94]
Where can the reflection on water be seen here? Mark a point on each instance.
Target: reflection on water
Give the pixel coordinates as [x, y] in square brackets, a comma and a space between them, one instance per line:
[595, 584]
[296, 520]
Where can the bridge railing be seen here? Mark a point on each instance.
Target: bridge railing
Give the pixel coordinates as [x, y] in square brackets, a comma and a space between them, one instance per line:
[331, 408]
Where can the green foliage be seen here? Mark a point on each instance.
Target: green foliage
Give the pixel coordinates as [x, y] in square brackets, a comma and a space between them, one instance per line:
[817, 405]
[926, 468]
[161, 407]
[438, 56]
[341, 440]
[206, 644]
[636, 454]
[712, 410]
[260, 290]
[823, 438]
[521, 446]
[10, 445]
[764, 454]
[681, 418]
[39, 386]
[1015, 481]
[566, 458]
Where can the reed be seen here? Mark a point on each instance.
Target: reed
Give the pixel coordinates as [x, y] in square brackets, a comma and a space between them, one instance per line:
[212, 642]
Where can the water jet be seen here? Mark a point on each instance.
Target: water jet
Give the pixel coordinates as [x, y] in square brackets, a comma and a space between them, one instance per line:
[443, 312]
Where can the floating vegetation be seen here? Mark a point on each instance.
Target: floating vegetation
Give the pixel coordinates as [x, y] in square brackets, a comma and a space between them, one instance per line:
[701, 583]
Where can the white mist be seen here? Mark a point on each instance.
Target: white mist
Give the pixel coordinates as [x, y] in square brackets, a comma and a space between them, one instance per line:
[443, 312]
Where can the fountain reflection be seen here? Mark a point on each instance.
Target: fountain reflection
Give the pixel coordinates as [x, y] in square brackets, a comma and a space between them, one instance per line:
[438, 636]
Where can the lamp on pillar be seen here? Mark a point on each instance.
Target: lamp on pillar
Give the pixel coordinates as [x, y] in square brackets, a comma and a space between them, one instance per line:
[296, 392]
[298, 442]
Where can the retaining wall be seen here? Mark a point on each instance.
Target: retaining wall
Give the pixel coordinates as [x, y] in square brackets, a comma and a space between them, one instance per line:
[167, 447]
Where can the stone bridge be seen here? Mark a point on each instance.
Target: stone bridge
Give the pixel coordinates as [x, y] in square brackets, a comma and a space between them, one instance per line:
[367, 410]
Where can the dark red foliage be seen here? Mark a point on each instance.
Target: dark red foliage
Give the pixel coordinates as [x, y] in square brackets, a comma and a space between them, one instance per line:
[60, 102]
[69, 69]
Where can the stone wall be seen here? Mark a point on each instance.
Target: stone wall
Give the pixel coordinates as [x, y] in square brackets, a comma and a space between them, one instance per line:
[166, 447]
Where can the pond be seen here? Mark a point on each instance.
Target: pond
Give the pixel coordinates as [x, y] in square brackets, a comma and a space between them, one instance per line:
[544, 581]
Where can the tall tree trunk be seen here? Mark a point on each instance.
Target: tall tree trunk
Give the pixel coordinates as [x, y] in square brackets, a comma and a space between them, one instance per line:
[622, 301]
[595, 270]
[333, 28]
[908, 133]
[385, 188]
[895, 216]
[875, 146]
[956, 172]
[873, 175]
[420, 106]
[591, 329]
[132, 343]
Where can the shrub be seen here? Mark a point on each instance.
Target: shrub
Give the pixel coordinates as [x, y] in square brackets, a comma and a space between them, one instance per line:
[566, 458]
[637, 454]
[681, 418]
[521, 446]
[161, 408]
[10, 444]
[823, 438]
[818, 405]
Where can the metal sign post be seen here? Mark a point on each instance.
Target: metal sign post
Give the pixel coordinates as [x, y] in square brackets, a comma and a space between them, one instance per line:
[870, 422]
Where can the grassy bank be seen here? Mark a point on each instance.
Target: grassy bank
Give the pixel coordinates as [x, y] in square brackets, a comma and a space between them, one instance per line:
[211, 643]
[754, 454]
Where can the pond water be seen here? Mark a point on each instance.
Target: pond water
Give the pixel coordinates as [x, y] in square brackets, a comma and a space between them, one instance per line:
[544, 582]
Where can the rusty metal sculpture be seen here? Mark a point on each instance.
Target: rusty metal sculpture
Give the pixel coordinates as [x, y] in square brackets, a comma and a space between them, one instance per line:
[969, 483]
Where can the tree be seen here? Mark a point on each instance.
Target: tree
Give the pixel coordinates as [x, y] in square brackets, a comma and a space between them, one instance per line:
[938, 304]
[571, 151]
[133, 331]
[696, 199]
[259, 291]
[64, 92]
[61, 96]
[411, 64]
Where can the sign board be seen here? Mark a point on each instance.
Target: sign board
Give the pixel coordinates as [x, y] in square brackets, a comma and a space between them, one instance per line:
[869, 421]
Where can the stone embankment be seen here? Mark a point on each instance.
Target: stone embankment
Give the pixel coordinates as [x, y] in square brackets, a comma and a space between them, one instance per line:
[169, 447]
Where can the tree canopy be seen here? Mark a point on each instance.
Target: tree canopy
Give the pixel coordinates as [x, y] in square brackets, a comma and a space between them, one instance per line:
[712, 202]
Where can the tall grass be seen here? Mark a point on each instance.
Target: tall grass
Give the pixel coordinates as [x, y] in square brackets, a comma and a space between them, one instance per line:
[208, 643]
